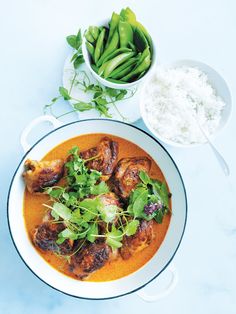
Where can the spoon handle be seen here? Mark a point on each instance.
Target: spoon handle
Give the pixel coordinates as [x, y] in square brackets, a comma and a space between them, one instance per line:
[220, 159]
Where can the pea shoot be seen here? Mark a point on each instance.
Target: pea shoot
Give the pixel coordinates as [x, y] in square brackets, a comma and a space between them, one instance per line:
[101, 98]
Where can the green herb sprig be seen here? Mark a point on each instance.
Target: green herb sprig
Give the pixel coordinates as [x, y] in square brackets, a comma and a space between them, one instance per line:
[101, 97]
[150, 199]
[78, 206]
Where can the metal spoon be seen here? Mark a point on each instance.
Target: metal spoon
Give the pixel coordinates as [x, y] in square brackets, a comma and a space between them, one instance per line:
[219, 157]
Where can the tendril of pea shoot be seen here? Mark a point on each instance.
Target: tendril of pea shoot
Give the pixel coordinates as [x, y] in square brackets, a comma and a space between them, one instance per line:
[101, 97]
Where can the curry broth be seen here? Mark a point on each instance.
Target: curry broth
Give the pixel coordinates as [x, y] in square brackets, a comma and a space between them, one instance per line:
[34, 212]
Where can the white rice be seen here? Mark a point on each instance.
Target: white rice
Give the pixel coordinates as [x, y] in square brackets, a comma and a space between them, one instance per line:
[177, 100]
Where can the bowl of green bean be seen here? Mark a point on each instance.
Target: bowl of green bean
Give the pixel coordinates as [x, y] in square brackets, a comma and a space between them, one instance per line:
[120, 51]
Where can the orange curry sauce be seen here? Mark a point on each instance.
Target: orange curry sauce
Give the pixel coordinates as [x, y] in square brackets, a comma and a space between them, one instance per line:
[34, 212]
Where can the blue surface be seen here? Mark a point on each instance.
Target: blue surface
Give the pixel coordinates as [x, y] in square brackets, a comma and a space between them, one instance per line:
[32, 54]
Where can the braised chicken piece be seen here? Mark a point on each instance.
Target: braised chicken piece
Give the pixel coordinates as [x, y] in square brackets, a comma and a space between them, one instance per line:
[46, 235]
[126, 175]
[90, 258]
[105, 157]
[41, 174]
[109, 199]
[139, 241]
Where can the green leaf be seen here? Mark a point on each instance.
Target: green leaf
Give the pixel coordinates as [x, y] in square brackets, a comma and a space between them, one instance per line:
[139, 203]
[60, 240]
[111, 91]
[62, 211]
[55, 192]
[114, 238]
[100, 188]
[75, 55]
[131, 227]
[144, 177]
[55, 99]
[76, 216]
[54, 215]
[90, 208]
[75, 41]
[82, 106]
[64, 93]
[74, 150]
[164, 194]
[121, 95]
[101, 101]
[78, 61]
[108, 213]
[92, 233]
[67, 234]
[72, 41]
[159, 216]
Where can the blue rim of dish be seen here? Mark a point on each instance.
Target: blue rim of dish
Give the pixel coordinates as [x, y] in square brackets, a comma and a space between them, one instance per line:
[186, 209]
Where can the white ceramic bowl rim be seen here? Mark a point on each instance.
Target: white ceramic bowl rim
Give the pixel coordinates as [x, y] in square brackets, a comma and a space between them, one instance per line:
[180, 237]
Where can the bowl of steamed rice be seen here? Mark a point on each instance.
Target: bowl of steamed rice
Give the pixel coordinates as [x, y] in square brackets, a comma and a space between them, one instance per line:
[182, 101]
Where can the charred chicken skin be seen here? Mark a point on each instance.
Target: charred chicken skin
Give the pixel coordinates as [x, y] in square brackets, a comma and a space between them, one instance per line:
[90, 258]
[105, 157]
[46, 235]
[139, 241]
[41, 174]
[126, 175]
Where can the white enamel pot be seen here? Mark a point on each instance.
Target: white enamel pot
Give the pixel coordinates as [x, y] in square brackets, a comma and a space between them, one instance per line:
[133, 282]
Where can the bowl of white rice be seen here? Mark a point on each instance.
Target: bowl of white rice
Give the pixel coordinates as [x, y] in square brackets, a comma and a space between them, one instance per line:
[183, 100]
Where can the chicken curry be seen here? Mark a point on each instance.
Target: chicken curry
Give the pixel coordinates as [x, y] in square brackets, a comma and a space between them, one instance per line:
[96, 207]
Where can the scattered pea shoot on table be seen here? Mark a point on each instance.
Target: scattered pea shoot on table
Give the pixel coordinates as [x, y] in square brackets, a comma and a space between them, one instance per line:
[77, 204]
[121, 53]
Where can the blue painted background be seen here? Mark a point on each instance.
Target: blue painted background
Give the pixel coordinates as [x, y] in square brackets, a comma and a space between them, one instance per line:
[32, 53]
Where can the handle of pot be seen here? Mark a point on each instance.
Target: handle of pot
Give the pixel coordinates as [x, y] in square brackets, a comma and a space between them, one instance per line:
[24, 135]
[155, 297]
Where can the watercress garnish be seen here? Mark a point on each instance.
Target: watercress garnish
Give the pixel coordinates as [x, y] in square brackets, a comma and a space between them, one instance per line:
[78, 205]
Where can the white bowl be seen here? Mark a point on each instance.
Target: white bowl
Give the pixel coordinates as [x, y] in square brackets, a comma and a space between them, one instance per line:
[217, 82]
[86, 289]
[106, 82]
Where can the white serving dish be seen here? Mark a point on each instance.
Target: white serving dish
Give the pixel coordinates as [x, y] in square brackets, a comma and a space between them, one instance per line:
[134, 281]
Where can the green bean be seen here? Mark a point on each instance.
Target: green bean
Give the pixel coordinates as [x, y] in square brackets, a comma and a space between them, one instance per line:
[124, 68]
[140, 40]
[126, 33]
[90, 49]
[94, 31]
[141, 74]
[146, 34]
[144, 54]
[99, 46]
[129, 16]
[115, 62]
[139, 69]
[111, 56]
[112, 26]
[102, 68]
[132, 46]
[116, 53]
[112, 46]
[89, 36]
